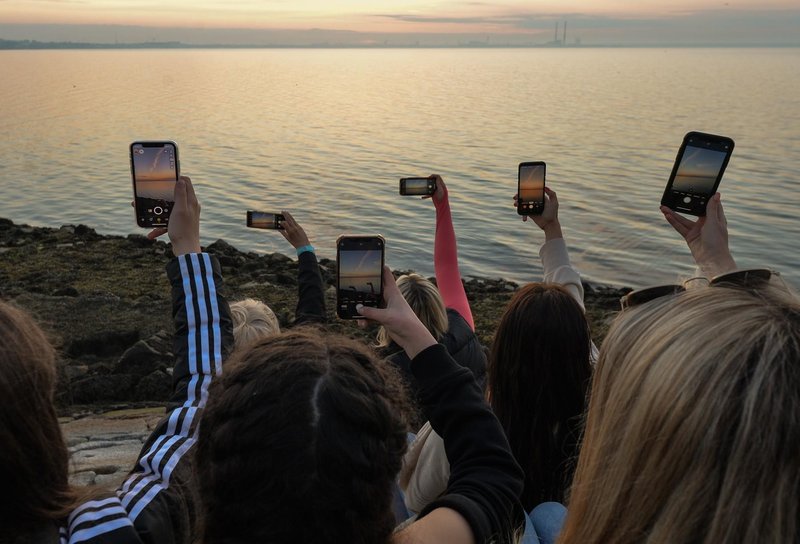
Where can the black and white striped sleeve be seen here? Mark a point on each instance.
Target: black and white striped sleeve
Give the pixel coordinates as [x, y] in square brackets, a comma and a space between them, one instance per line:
[155, 503]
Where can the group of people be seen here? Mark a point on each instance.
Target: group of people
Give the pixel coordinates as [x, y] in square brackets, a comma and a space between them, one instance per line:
[683, 427]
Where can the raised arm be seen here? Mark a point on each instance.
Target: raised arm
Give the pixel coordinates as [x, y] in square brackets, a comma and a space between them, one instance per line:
[310, 292]
[156, 502]
[445, 256]
[556, 265]
[707, 237]
[481, 499]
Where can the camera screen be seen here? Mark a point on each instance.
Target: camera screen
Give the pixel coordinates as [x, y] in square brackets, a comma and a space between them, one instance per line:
[531, 185]
[360, 275]
[154, 175]
[698, 170]
[417, 186]
[264, 220]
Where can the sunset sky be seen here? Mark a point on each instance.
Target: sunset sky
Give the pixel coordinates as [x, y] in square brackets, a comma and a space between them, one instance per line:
[363, 21]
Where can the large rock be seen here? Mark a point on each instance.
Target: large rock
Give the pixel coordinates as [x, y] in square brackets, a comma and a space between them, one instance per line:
[147, 356]
[102, 343]
[103, 388]
[156, 386]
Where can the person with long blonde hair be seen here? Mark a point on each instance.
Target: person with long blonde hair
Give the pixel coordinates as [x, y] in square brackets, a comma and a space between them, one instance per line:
[693, 422]
[254, 319]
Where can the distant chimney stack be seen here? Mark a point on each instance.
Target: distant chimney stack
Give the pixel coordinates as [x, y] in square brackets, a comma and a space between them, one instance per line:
[555, 39]
[564, 41]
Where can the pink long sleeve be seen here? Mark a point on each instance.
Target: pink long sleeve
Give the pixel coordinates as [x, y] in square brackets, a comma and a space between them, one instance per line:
[445, 263]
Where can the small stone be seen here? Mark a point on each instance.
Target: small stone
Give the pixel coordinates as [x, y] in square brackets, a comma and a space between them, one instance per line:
[74, 372]
[73, 441]
[83, 230]
[65, 292]
[279, 258]
[83, 479]
[110, 481]
[105, 469]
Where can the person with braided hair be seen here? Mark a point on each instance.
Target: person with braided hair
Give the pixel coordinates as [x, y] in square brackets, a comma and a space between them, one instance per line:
[303, 437]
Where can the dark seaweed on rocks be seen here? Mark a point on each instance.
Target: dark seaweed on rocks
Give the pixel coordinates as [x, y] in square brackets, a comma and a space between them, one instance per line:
[105, 302]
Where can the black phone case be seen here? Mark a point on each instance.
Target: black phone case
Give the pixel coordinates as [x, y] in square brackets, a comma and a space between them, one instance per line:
[538, 206]
[695, 203]
[430, 192]
[347, 310]
[164, 218]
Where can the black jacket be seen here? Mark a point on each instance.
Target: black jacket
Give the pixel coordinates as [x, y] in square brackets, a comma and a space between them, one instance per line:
[462, 344]
[485, 480]
[157, 503]
[310, 293]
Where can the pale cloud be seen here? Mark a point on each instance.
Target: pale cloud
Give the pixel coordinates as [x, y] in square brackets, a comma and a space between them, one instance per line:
[600, 21]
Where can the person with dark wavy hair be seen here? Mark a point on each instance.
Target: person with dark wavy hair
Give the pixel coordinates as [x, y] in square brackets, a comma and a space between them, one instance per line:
[304, 434]
[539, 374]
[156, 503]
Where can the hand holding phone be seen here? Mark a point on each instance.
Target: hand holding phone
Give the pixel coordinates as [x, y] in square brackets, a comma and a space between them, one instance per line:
[292, 231]
[264, 220]
[707, 237]
[184, 229]
[399, 320]
[418, 186]
[530, 188]
[359, 273]
[155, 169]
[697, 172]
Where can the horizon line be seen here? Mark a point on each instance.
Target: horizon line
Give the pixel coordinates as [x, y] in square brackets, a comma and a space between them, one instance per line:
[29, 44]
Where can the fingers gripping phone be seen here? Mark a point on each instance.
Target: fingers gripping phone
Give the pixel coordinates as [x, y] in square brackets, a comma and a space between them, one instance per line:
[264, 220]
[417, 186]
[155, 170]
[359, 273]
[697, 172]
[530, 188]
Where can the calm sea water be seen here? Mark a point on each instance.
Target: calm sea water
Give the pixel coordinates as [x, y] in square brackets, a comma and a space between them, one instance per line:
[327, 133]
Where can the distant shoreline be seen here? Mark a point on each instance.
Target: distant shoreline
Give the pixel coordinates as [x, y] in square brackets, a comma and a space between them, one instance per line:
[21, 45]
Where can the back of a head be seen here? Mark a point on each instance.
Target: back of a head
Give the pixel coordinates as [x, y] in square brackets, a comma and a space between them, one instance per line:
[33, 456]
[252, 320]
[538, 376]
[426, 301]
[694, 423]
[300, 442]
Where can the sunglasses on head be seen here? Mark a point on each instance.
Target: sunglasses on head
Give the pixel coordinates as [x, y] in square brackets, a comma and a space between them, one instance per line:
[748, 279]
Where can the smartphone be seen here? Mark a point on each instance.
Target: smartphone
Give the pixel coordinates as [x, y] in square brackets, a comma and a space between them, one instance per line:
[155, 169]
[417, 186]
[698, 169]
[264, 220]
[359, 273]
[530, 188]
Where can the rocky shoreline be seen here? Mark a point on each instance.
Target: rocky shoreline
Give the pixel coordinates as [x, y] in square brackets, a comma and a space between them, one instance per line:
[105, 303]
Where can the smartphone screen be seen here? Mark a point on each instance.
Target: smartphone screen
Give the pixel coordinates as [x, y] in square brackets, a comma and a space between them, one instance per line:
[359, 273]
[154, 167]
[264, 220]
[417, 186]
[697, 172]
[530, 192]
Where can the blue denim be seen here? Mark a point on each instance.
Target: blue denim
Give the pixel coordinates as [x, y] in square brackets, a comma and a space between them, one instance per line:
[401, 513]
[544, 523]
[529, 536]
